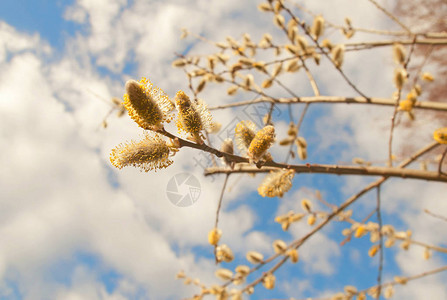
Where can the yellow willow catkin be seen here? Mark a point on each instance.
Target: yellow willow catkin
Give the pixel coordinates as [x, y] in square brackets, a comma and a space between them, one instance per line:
[279, 246]
[338, 53]
[427, 76]
[302, 43]
[361, 231]
[400, 76]
[232, 90]
[406, 105]
[269, 281]
[245, 131]
[317, 27]
[399, 54]
[214, 236]
[254, 257]
[373, 250]
[292, 66]
[150, 153]
[350, 290]
[276, 183]
[293, 254]
[148, 106]
[311, 219]
[262, 141]
[244, 270]
[279, 20]
[192, 117]
[306, 205]
[224, 253]
[224, 274]
[440, 135]
[214, 127]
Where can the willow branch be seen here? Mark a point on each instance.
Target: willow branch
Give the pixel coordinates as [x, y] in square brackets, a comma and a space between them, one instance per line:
[427, 105]
[374, 44]
[307, 168]
[425, 245]
[334, 169]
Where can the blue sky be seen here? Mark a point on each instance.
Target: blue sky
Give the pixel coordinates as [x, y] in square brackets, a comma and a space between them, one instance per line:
[43, 17]
[74, 227]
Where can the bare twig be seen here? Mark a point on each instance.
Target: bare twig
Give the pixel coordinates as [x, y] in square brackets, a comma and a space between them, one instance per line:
[391, 16]
[219, 205]
[316, 90]
[427, 55]
[298, 127]
[435, 215]
[220, 200]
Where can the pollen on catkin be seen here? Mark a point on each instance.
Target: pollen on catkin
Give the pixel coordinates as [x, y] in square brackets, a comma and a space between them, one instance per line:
[406, 105]
[192, 117]
[262, 141]
[147, 105]
[150, 153]
[373, 250]
[245, 131]
[276, 183]
[361, 231]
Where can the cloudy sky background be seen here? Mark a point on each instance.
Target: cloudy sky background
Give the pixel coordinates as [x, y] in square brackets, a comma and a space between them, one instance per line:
[73, 227]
